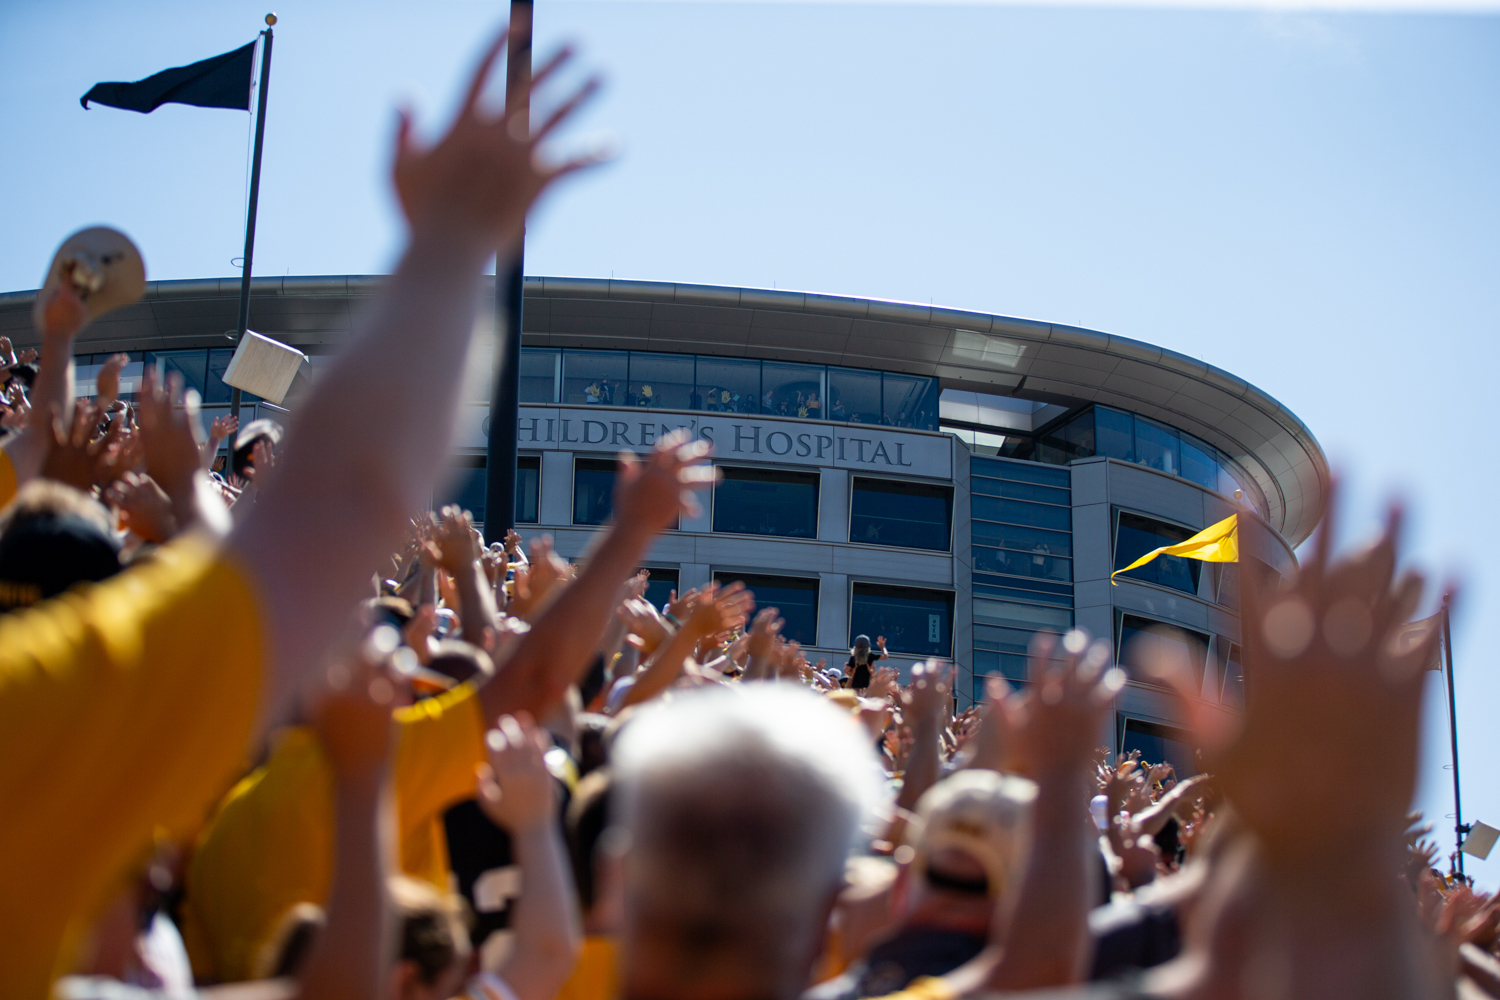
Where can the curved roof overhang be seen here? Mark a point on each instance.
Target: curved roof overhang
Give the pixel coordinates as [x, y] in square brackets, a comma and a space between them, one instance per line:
[977, 351]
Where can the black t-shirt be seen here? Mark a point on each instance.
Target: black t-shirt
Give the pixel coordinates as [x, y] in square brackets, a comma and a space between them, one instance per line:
[860, 673]
[912, 953]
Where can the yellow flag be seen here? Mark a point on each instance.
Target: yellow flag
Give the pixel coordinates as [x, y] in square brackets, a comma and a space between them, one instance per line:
[1216, 543]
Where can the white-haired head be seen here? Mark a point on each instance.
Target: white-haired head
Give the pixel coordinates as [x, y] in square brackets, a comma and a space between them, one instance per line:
[742, 806]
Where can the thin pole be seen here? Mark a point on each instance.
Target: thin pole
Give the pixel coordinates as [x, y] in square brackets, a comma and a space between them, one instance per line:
[510, 268]
[1458, 810]
[260, 135]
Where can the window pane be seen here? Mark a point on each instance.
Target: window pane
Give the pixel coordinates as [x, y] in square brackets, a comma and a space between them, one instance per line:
[191, 365]
[1016, 512]
[1233, 691]
[1229, 585]
[1021, 471]
[661, 380]
[465, 485]
[594, 377]
[1138, 535]
[659, 586]
[1113, 433]
[795, 598]
[1160, 744]
[729, 386]
[1021, 564]
[767, 502]
[913, 515]
[1198, 464]
[1008, 665]
[1143, 640]
[909, 401]
[1006, 640]
[1074, 439]
[593, 490]
[1027, 590]
[216, 390]
[913, 621]
[1156, 446]
[1010, 536]
[538, 375]
[528, 486]
[791, 390]
[1020, 491]
[1029, 616]
[854, 396]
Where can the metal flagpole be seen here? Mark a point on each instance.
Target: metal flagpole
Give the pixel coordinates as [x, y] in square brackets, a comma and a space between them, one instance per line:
[1459, 830]
[260, 135]
[500, 453]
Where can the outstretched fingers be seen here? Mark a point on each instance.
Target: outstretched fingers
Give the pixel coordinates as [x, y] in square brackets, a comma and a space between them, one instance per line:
[481, 77]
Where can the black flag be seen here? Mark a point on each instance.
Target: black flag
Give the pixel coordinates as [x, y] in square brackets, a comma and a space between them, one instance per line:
[220, 82]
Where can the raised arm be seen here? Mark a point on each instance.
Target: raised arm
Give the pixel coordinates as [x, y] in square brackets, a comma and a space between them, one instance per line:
[517, 793]
[931, 686]
[351, 475]
[649, 495]
[62, 317]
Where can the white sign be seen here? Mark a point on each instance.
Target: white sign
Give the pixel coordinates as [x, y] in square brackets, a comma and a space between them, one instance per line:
[794, 442]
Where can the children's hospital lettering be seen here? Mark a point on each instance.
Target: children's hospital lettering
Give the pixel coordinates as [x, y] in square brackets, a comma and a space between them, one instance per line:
[763, 440]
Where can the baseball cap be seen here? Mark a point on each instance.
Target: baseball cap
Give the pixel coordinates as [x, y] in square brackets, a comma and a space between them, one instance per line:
[983, 814]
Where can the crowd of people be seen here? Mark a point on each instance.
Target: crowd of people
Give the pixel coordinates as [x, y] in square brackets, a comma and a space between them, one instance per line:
[273, 734]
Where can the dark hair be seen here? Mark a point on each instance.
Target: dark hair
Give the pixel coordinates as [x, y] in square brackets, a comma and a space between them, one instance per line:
[52, 537]
[25, 373]
[588, 818]
[240, 458]
[432, 927]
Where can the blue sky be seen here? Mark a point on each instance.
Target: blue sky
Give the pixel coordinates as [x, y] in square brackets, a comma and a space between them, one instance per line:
[1308, 200]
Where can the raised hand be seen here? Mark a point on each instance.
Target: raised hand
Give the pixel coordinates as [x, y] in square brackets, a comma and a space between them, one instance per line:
[883, 682]
[453, 536]
[516, 790]
[645, 623]
[479, 180]
[1056, 723]
[1328, 661]
[931, 687]
[223, 428]
[720, 610]
[144, 507]
[651, 494]
[353, 718]
[107, 384]
[77, 456]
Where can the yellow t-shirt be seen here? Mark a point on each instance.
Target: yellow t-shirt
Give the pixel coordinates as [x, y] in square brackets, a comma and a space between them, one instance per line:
[597, 974]
[124, 706]
[8, 487]
[271, 844]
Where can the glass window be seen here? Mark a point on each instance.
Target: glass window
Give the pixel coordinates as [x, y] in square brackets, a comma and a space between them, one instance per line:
[1022, 564]
[766, 502]
[1160, 744]
[1020, 491]
[191, 365]
[594, 377]
[794, 597]
[1232, 693]
[1025, 473]
[791, 390]
[593, 490]
[659, 586]
[1113, 434]
[909, 401]
[1021, 539]
[987, 663]
[539, 375]
[1074, 439]
[1144, 641]
[1156, 446]
[1137, 535]
[662, 381]
[911, 515]
[853, 396]
[1229, 584]
[216, 389]
[1001, 651]
[465, 485]
[528, 488]
[1034, 591]
[983, 442]
[729, 386]
[1017, 512]
[919, 622]
[1013, 614]
[1199, 464]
